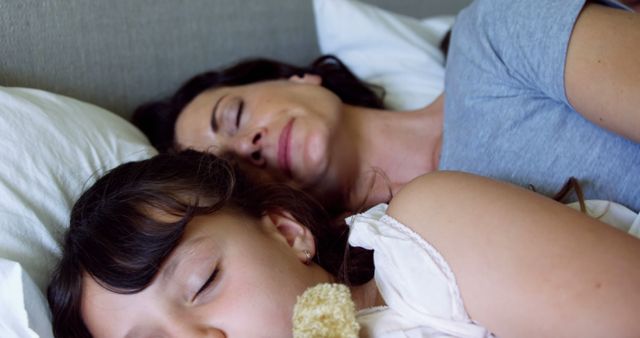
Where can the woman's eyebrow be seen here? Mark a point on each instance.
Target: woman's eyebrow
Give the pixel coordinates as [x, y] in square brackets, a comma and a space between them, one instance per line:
[214, 116]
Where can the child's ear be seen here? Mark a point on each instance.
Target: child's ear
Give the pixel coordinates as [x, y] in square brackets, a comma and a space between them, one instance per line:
[284, 226]
[307, 79]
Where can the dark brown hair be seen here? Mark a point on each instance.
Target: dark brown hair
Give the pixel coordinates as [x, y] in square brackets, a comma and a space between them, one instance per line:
[157, 119]
[115, 235]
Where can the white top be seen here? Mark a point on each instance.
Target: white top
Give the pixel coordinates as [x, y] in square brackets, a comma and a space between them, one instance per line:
[416, 283]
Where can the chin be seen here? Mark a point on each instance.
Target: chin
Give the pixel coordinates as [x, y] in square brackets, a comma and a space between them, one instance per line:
[313, 175]
[311, 171]
[308, 179]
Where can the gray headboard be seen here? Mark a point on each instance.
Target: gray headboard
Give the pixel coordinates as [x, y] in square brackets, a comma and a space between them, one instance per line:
[120, 53]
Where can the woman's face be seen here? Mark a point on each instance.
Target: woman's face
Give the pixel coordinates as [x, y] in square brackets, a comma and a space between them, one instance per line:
[230, 276]
[283, 127]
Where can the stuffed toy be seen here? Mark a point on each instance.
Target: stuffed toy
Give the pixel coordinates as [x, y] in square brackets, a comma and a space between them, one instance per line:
[325, 311]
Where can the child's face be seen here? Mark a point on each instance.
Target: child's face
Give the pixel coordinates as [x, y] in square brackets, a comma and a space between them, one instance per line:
[257, 276]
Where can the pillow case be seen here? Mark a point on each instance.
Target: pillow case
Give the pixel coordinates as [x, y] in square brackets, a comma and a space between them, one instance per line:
[24, 312]
[397, 52]
[53, 148]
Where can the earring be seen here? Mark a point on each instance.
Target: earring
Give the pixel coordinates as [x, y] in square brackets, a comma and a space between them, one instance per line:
[308, 256]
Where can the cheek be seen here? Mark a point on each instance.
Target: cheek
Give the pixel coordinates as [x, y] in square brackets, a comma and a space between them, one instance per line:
[263, 300]
[330, 109]
[316, 147]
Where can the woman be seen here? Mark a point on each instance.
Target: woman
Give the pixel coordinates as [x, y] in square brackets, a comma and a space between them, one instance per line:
[528, 99]
[181, 246]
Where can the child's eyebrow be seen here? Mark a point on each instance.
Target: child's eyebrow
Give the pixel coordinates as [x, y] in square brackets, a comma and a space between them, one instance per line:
[170, 270]
[179, 254]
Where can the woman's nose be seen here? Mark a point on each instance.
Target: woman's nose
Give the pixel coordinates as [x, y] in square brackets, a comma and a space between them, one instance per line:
[249, 146]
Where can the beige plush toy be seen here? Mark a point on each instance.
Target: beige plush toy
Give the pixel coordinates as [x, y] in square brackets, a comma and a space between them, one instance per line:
[325, 311]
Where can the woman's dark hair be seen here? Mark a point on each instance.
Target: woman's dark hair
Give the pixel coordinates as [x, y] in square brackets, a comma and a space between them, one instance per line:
[445, 42]
[157, 119]
[119, 237]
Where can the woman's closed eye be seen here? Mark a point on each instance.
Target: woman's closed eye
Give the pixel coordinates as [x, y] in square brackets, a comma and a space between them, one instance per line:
[239, 114]
[233, 116]
[206, 284]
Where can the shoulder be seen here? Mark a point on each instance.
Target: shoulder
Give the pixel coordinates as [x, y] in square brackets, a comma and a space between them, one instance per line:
[441, 190]
[500, 25]
[499, 239]
[447, 204]
[431, 202]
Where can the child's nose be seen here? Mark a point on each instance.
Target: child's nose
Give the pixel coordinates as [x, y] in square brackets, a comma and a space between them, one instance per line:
[193, 329]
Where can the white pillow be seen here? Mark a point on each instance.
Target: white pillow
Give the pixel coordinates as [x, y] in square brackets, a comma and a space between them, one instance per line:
[24, 312]
[397, 52]
[53, 147]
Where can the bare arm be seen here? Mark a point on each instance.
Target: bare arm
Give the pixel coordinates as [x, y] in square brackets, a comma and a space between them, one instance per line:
[602, 73]
[526, 265]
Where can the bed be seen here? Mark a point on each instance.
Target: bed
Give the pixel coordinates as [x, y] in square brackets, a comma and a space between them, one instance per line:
[71, 73]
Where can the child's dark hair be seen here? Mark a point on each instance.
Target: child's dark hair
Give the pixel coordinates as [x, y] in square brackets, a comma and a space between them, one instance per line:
[117, 237]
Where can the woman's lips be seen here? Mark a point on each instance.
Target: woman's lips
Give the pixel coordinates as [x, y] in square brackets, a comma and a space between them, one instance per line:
[284, 144]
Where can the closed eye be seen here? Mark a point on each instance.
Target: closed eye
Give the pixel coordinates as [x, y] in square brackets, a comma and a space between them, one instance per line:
[239, 114]
[206, 284]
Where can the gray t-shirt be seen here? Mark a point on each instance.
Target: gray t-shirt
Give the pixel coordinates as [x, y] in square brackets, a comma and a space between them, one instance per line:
[506, 112]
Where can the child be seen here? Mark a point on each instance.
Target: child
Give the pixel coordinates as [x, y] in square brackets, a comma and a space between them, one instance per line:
[182, 245]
